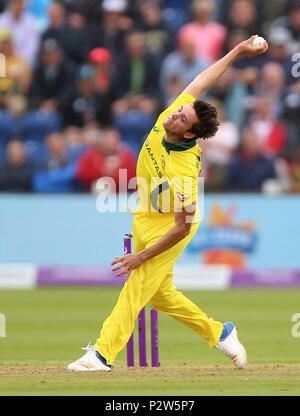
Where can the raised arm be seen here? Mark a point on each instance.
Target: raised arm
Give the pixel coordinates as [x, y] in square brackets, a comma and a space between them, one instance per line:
[207, 78]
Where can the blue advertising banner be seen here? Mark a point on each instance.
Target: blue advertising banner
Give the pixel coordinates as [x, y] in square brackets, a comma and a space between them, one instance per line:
[252, 231]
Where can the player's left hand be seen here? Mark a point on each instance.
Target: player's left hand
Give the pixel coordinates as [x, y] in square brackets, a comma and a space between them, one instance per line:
[128, 262]
[247, 48]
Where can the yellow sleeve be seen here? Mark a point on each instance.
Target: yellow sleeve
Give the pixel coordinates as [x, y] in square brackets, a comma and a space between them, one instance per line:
[182, 99]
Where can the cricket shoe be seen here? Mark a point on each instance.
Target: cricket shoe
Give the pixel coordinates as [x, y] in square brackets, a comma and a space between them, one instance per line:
[231, 347]
[90, 361]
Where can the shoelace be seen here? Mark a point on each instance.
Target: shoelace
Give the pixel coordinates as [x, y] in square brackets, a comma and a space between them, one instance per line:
[89, 347]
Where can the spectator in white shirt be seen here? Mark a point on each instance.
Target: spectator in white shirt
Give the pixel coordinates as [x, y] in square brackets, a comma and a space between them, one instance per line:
[22, 24]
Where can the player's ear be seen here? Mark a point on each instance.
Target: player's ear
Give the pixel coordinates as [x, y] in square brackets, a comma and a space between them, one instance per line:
[189, 135]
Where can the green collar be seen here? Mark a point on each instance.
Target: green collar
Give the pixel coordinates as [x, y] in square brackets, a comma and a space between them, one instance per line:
[178, 147]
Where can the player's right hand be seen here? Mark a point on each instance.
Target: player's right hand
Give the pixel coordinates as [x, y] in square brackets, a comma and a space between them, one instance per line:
[247, 48]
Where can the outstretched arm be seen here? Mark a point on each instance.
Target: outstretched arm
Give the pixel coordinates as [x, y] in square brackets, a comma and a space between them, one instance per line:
[207, 78]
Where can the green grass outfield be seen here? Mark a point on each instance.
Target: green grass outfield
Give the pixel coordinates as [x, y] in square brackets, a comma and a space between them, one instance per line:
[46, 328]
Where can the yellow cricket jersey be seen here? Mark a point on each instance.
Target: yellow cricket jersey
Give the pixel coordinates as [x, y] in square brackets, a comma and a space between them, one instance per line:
[168, 173]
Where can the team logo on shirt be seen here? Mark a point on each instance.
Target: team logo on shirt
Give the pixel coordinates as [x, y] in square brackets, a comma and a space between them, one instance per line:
[153, 159]
[156, 129]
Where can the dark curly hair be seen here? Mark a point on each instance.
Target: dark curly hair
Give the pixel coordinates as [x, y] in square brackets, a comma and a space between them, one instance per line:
[208, 120]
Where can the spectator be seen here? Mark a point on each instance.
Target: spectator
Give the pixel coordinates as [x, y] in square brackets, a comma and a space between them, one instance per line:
[280, 48]
[290, 114]
[291, 22]
[270, 132]
[18, 72]
[273, 84]
[218, 151]
[209, 36]
[182, 64]
[86, 105]
[16, 173]
[137, 85]
[91, 135]
[138, 71]
[58, 172]
[53, 78]
[111, 31]
[74, 141]
[176, 13]
[26, 36]
[172, 89]
[158, 38]
[105, 159]
[69, 37]
[38, 8]
[244, 15]
[105, 72]
[249, 168]
[224, 9]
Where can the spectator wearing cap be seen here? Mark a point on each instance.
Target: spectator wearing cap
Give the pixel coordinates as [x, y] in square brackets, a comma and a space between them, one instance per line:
[210, 36]
[53, 78]
[18, 71]
[101, 61]
[116, 23]
[87, 105]
[24, 29]
[16, 172]
[111, 31]
[105, 159]
[70, 38]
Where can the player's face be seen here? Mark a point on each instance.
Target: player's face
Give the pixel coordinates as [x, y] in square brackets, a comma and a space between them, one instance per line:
[181, 121]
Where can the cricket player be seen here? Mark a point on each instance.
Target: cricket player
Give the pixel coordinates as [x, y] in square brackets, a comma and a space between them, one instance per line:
[168, 168]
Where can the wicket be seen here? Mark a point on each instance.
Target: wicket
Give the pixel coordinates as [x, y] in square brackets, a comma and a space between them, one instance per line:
[142, 329]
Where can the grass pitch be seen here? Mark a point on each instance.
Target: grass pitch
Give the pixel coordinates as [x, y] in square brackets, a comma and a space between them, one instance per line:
[46, 328]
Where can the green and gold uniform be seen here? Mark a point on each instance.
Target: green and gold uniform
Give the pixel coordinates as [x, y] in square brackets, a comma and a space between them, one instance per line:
[167, 181]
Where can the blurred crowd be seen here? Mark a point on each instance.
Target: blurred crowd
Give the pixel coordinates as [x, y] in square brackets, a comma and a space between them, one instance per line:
[83, 81]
